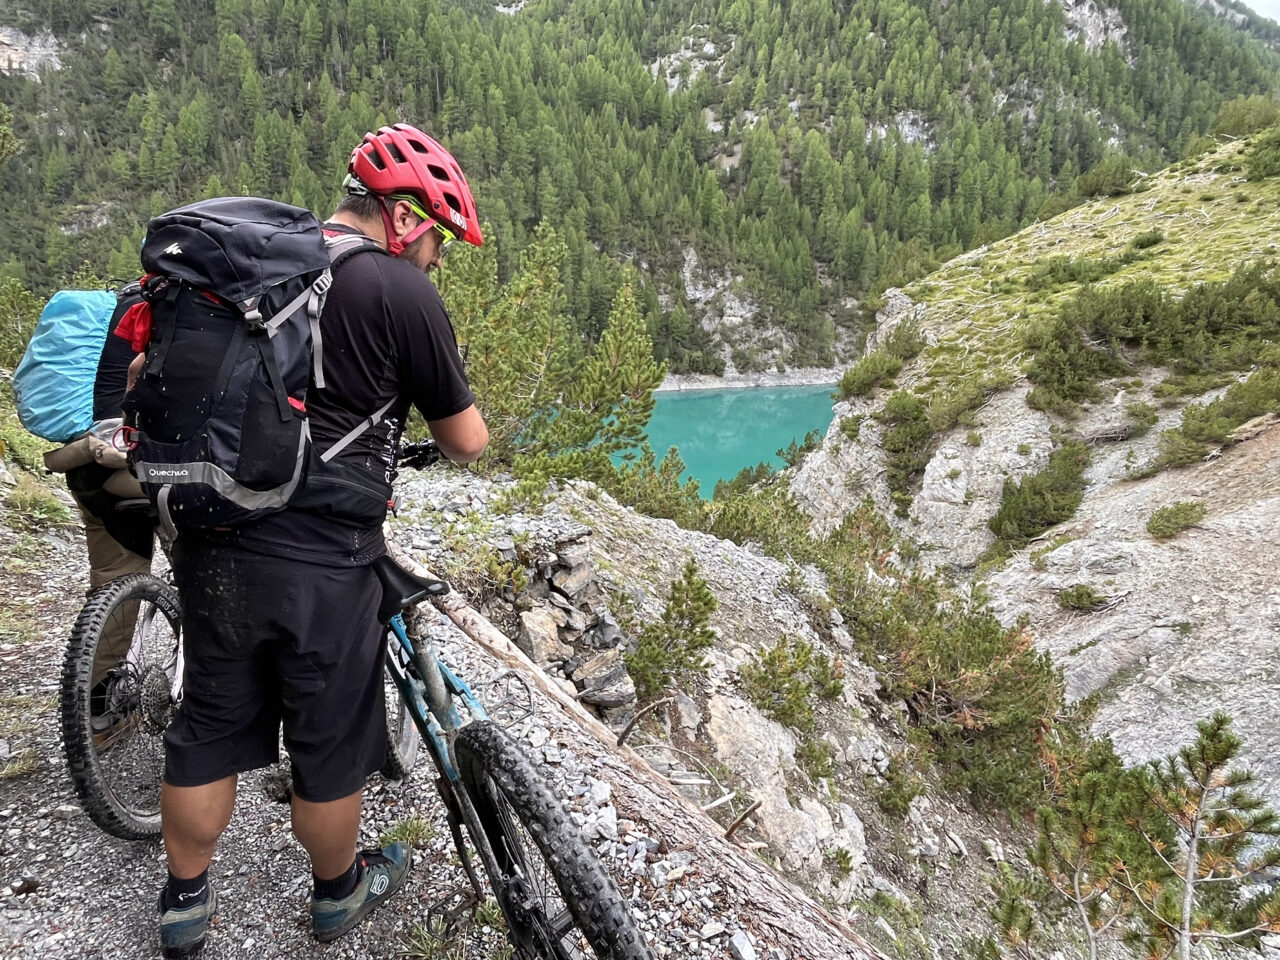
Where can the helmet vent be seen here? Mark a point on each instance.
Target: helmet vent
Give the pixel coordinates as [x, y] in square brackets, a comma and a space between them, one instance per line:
[419, 146]
[396, 155]
[440, 173]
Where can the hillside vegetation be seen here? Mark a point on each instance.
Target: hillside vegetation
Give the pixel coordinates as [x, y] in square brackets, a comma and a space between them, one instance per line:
[815, 150]
[1174, 277]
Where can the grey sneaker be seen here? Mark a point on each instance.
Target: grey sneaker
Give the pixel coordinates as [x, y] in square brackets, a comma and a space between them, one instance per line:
[381, 873]
[182, 928]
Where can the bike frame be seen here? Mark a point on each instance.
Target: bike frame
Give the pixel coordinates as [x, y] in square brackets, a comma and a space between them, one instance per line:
[430, 695]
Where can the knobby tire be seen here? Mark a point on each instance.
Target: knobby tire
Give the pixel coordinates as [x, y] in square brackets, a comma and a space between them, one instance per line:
[403, 739]
[508, 797]
[118, 779]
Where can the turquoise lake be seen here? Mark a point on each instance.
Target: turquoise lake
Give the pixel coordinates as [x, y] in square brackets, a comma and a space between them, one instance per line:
[718, 432]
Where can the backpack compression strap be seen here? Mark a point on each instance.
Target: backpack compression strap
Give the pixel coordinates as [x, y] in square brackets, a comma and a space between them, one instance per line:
[368, 423]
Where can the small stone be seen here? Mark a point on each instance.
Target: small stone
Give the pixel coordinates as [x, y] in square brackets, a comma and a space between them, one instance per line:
[67, 811]
[883, 924]
[710, 930]
[25, 884]
[741, 947]
[956, 845]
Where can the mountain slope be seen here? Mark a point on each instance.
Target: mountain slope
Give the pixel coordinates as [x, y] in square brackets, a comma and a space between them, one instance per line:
[1167, 628]
[816, 151]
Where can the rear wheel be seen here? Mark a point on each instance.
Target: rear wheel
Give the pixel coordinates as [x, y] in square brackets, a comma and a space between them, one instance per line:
[558, 902]
[403, 739]
[117, 699]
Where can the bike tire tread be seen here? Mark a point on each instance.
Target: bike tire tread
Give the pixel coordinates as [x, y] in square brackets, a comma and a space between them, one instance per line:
[77, 676]
[590, 894]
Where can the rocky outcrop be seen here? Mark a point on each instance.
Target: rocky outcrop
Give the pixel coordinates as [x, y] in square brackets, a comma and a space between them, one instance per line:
[1188, 626]
[1185, 627]
[29, 55]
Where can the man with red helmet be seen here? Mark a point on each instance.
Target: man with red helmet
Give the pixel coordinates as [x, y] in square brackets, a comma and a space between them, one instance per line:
[280, 615]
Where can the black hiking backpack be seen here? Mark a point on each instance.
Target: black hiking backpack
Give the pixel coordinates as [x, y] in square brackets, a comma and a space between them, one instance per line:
[234, 289]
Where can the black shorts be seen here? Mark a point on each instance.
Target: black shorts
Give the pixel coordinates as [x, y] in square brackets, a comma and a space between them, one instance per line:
[268, 641]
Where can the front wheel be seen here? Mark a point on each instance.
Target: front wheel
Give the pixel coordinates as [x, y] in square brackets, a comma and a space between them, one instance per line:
[119, 679]
[558, 902]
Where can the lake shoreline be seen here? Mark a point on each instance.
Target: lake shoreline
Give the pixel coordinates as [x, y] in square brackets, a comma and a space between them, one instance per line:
[800, 377]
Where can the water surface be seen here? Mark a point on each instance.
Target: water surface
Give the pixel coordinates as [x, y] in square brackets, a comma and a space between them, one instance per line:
[718, 432]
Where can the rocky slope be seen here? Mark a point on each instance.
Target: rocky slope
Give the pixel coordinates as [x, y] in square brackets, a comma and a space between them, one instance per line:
[68, 890]
[1185, 626]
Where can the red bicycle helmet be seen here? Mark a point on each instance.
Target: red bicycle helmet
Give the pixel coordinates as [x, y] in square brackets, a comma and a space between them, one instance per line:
[403, 159]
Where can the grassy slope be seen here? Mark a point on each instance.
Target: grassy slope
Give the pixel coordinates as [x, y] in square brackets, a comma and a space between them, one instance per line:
[979, 305]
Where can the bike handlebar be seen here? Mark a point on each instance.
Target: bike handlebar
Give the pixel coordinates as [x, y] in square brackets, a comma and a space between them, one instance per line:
[421, 454]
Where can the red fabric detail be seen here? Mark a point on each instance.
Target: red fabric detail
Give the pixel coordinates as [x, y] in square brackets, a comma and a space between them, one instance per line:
[211, 296]
[297, 404]
[135, 326]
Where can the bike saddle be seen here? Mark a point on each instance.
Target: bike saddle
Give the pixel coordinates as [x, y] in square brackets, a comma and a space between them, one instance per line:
[402, 589]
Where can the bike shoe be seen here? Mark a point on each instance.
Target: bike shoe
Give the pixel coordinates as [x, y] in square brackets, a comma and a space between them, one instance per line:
[182, 928]
[381, 873]
[108, 728]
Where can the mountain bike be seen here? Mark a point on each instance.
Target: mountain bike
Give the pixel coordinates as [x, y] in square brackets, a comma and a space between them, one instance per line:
[115, 704]
[556, 898]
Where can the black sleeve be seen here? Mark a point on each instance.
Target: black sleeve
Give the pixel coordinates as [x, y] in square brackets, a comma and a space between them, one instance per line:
[428, 362]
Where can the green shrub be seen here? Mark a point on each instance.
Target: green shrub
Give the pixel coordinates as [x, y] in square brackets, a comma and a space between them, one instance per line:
[980, 691]
[1148, 238]
[1245, 115]
[782, 681]
[1110, 177]
[948, 408]
[1263, 159]
[655, 490]
[907, 441]
[19, 311]
[901, 785]
[1142, 417]
[873, 369]
[35, 507]
[794, 452]
[744, 480]
[814, 758]
[1212, 329]
[1031, 506]
[851, 426]
[868, 373]
[1080, 597]
[1206, 425]
[673, 647]
[1167, 522]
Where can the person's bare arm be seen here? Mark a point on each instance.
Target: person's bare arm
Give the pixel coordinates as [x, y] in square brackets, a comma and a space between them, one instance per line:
[461, 437]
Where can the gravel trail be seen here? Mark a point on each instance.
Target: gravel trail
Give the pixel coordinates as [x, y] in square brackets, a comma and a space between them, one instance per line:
[69, 890]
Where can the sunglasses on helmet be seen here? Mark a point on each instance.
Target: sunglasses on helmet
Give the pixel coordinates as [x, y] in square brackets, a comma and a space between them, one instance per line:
[446, 236]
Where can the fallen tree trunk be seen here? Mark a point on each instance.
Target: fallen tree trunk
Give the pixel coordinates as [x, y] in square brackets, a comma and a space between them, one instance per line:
[777, 913]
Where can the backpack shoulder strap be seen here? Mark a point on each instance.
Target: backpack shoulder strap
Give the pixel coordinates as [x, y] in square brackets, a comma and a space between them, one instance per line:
[344, 246]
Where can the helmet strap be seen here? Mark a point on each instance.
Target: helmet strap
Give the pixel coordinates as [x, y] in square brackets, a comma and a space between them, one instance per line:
[396, 245]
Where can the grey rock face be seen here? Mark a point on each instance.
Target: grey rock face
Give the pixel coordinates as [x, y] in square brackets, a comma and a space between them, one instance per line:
[1190, 625]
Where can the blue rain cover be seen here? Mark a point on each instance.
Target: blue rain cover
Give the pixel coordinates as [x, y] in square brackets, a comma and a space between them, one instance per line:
[54, 380]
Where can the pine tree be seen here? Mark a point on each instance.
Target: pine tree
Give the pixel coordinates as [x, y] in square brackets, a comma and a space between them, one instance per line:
[674, 647]
[1200, 895]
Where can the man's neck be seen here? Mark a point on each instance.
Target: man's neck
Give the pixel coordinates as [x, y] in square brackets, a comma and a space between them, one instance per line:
[373, 229]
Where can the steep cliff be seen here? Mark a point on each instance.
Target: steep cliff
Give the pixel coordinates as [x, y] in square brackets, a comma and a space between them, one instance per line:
[1167, 630]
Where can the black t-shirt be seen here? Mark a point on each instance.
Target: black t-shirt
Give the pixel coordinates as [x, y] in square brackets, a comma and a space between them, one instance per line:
[385, 334]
